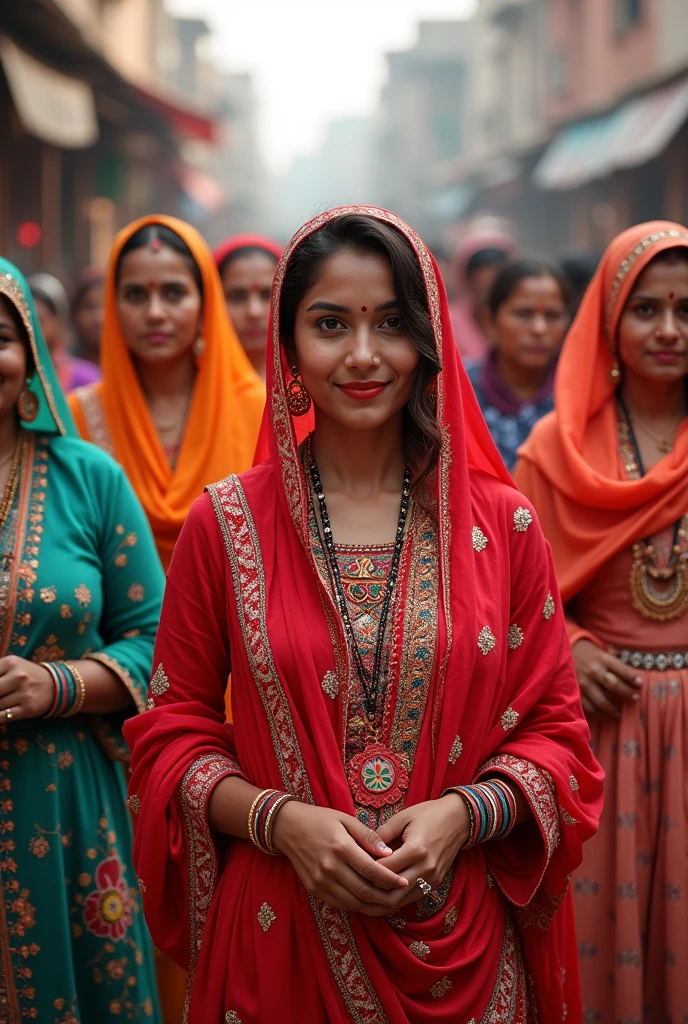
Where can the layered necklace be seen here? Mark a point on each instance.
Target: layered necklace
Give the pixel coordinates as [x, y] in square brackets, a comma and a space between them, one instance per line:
[659, 604]
[377, 775]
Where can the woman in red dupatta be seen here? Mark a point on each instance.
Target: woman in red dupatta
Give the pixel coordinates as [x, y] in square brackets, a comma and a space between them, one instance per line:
[480, 684]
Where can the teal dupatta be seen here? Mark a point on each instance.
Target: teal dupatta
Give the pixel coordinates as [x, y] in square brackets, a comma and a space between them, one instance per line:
[79, 578]
[54, 416]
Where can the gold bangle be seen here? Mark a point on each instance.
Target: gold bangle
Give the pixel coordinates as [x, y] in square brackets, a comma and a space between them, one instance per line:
[81, 685]
[255, 803]
[270, 821]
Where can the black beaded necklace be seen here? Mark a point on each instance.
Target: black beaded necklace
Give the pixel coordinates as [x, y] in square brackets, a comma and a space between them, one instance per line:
[370, 682]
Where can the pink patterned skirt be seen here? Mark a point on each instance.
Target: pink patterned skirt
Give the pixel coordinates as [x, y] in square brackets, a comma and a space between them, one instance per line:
[631, 891]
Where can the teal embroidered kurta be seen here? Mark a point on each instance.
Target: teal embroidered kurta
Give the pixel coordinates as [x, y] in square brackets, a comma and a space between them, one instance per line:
[79, 578]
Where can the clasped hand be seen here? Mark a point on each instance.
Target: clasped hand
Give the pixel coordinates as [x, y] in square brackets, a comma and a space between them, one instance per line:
[353, 868]
[26, 689]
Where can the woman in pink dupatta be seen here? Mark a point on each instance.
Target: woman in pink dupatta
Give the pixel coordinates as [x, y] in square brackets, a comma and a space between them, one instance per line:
[479, 683]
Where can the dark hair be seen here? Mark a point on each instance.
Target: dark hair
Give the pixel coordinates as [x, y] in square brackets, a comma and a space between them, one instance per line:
[365, 235]
[489, 257]
[167, 237]
[676, 254]
[21, 330]
[245, 250]
[510, 277]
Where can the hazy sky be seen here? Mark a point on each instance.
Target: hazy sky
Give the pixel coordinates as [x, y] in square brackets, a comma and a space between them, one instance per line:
[313, 60]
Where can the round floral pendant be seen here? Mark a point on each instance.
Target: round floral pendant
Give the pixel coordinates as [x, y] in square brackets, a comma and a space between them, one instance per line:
[377, 776]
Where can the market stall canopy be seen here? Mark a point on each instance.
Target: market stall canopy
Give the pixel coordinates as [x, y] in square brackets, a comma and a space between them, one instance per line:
[186, 122]
[53, 107]
[629, 136]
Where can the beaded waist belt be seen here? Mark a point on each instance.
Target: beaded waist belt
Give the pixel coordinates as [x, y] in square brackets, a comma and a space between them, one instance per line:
[648, 661]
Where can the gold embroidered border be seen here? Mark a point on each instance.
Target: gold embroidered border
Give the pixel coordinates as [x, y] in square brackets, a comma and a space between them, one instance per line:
[418, 641]
[510, 986]
[122, 674]
[538, 790]
[23, 529]
[9, 1005]
[195, 789]
[243, 551]
[94, 414]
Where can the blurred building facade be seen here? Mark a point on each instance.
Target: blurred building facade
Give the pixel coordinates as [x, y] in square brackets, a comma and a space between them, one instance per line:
[111, 109]
[422, 127]
[605, 87]
[567, 117]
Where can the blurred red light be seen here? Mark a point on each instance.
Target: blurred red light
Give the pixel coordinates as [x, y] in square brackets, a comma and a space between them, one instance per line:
[29, 234]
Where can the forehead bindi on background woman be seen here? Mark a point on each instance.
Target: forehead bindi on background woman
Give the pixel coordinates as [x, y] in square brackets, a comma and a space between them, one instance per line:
[364, 309]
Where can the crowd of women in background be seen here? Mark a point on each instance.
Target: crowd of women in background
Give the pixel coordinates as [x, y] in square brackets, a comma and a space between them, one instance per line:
[166, 357]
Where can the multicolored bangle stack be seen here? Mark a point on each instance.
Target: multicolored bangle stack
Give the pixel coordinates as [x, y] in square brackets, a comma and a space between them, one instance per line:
[492, 809]
[70, 689]
[261, 818]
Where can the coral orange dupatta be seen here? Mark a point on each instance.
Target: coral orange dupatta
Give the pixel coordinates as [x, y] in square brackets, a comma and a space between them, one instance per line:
[570, 467]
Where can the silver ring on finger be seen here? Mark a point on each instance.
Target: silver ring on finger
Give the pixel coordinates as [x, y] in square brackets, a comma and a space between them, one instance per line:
[9, 715]
[425, 887]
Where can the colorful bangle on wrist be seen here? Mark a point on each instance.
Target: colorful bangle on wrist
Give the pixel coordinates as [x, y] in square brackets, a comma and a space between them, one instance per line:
[70, 689]
[491, 809]
[261, 818]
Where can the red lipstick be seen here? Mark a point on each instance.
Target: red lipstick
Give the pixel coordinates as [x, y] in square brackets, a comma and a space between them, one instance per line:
[363, 389]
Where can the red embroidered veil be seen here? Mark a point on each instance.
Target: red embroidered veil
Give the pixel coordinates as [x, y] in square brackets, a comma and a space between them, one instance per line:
[501, 695]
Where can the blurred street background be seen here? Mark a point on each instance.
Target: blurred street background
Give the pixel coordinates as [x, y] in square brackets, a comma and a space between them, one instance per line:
[566, 118]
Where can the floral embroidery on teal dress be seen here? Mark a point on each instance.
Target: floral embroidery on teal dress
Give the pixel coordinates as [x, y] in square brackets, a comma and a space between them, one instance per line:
[79, 578]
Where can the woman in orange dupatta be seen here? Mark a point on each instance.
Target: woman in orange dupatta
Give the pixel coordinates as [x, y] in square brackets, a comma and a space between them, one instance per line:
[412, 642]
[179, 404]
[608, 475]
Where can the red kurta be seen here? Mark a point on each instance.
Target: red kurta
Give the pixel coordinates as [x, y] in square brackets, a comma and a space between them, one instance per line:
[483, 682]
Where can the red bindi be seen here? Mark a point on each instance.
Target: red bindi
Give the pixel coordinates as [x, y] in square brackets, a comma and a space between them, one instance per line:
[671, 295]
[364, 309]
[152, 284]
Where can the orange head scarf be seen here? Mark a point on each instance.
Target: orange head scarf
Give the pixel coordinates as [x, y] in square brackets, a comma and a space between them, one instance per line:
[225, 413]
[569, 467]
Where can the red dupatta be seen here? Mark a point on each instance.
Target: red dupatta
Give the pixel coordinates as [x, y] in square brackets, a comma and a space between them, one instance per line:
[500, 694]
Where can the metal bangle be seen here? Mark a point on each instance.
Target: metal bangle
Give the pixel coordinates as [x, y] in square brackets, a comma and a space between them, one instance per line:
[81, 695]
[251, 813]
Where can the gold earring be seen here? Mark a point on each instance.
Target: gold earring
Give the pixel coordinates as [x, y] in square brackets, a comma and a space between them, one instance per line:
[27, 404]
[199, 347]
[615, 371]
[297, 397]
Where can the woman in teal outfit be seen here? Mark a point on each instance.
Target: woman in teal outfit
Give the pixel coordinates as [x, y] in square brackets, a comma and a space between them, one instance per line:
[80, 589]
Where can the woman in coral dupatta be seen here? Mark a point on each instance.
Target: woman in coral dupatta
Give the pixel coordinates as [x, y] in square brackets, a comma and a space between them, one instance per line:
[179, 404]
[384, 651]
[608, 474]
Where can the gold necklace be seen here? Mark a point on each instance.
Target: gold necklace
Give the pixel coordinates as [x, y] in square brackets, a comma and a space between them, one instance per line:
[653, 603]
[663, 443]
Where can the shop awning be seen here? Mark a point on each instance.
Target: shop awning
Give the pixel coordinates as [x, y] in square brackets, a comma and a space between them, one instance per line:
[631, 135]
[53, 107]
[185, 122]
